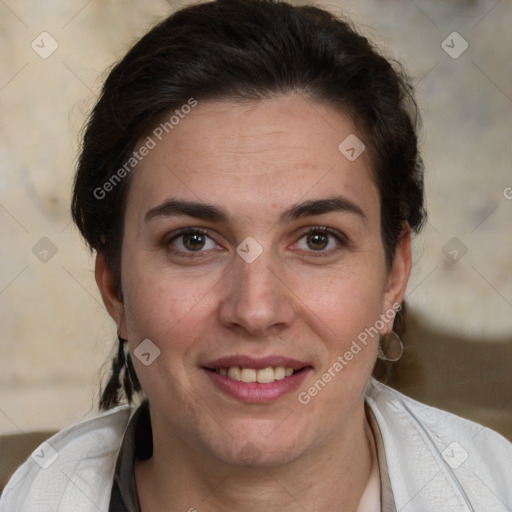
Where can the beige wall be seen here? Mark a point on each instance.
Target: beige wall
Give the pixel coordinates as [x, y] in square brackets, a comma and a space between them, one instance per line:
[55, 333]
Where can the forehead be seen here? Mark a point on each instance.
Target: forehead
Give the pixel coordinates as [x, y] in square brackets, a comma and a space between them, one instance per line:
[261, 154]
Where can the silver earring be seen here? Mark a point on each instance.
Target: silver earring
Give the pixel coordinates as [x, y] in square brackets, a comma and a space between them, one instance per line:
[391, 347]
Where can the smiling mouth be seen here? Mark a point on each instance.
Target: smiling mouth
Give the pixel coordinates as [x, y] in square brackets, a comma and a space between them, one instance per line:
[261, 375]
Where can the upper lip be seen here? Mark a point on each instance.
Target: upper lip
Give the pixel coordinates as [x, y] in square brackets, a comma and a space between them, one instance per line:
[255, 362]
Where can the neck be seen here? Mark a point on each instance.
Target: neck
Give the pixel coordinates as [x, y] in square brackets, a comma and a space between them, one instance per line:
[331, 478]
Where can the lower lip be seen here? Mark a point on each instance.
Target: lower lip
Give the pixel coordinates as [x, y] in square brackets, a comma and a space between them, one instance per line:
[256, 392]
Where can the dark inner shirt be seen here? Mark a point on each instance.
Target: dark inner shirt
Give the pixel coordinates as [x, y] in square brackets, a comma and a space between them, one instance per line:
[137, 444]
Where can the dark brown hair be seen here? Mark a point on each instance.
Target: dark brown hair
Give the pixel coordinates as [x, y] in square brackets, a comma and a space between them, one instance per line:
[247, 50]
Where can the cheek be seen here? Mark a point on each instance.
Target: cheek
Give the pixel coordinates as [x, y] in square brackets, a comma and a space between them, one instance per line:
[157, 306]
[339, 312]
[165, 307]
[349, 304]
[345, 301]
[172, 315]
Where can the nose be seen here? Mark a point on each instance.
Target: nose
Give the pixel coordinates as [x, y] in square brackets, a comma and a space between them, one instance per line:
[257, 299]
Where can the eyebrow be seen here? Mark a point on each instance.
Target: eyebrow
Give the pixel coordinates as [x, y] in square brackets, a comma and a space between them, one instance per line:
[204, 211]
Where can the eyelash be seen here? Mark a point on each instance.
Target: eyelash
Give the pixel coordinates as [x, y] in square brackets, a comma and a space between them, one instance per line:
[340, 238]
[182, 232]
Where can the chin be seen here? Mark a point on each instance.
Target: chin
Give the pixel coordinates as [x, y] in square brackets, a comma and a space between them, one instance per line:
[260, 450]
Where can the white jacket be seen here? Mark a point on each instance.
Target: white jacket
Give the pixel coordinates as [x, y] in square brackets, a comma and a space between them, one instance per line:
[437, 462]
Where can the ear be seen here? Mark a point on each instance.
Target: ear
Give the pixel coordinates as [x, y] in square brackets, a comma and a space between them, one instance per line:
[109, 293]
[398, 276]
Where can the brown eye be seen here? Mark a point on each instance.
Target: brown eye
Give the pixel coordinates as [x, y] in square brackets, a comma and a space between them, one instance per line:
[321, 241]
[317, 240]
[194, 241]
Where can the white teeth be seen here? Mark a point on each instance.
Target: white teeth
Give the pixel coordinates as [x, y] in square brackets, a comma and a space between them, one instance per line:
[263, 375]
[279, 372]
[234, 373]
[248, 375]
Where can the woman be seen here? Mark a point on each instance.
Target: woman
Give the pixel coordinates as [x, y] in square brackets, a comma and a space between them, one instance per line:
[250, 181]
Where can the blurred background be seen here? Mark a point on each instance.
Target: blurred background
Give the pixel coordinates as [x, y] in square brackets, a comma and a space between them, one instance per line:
[56, 336]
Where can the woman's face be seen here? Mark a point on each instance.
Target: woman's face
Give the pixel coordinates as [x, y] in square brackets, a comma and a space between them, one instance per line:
[251, 241]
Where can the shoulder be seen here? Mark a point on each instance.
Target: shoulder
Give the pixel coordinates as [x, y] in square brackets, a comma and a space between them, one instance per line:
[430, 448]
[442, 426]
[75, 466]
